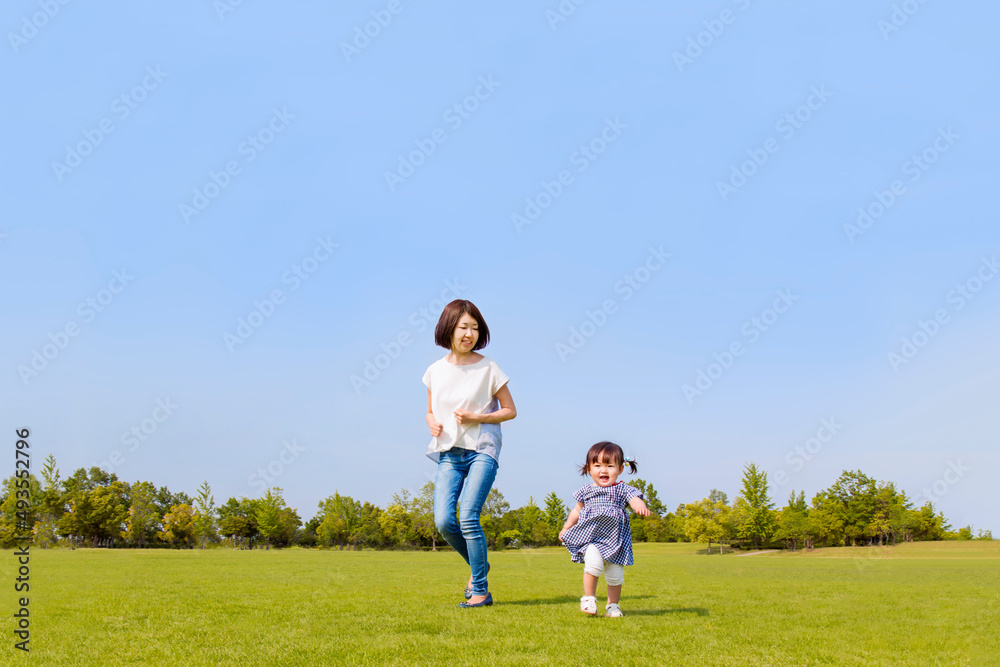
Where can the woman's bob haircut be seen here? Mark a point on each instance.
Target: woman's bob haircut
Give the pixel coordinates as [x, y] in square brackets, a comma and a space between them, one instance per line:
[450, 316]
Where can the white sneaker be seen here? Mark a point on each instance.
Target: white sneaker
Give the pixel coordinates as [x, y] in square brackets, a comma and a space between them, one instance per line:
[588, 605]
[613, 611]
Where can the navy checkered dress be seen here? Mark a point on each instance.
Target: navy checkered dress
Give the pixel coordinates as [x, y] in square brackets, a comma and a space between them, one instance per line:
[603, 523]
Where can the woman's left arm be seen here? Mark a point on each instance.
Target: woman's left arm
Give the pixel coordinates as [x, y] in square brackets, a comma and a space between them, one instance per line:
[506, 412]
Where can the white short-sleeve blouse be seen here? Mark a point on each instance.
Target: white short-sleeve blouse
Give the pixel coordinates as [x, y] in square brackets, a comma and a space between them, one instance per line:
[471, 387]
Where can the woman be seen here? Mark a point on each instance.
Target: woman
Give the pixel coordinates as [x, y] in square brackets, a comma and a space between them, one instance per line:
[467, 398]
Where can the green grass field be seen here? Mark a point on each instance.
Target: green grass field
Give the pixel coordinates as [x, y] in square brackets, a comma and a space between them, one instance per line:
[915, 604]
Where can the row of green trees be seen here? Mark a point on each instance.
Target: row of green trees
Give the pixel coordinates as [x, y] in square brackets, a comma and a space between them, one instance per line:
[409, 521]
[97, 509]
[855, 510]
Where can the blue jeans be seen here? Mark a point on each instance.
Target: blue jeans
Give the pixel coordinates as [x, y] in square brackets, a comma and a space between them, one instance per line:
[475, 472]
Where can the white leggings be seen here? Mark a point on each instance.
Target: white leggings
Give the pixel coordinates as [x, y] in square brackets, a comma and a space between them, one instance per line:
[594, 564]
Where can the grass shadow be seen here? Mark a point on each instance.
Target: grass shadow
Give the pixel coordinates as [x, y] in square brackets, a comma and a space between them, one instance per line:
[562, 599]
[715, 551]
[700, 611]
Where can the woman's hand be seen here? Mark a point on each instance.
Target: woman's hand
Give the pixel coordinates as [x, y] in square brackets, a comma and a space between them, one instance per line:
[434, 426]
[432, 423]
[562, 532]
[467, 416]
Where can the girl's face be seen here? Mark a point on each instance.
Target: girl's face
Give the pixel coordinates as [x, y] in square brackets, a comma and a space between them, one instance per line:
[466, 334]
[605, 472]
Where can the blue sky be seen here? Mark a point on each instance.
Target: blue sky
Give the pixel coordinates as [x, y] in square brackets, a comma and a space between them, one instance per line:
[652, 186]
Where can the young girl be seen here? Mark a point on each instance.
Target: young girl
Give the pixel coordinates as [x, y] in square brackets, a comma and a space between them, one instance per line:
[467, 398]
[597, 531]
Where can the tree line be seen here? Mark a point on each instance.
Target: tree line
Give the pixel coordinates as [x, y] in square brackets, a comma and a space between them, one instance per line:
[94, 508]
[857, 510]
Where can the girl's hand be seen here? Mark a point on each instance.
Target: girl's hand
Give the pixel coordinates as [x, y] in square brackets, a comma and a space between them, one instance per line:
[639, 506]
[467, 416]
[574, 516]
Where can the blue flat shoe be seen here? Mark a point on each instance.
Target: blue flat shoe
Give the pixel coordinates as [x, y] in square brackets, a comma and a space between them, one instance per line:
[468, 589]
[485, 603]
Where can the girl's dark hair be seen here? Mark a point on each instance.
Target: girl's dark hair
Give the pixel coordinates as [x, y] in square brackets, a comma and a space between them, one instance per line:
[610, 452]
[450, 316]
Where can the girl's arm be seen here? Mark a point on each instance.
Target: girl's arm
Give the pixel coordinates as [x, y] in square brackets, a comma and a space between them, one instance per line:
[435, 427]
[639, 506]
[506, 412]
[574, 516]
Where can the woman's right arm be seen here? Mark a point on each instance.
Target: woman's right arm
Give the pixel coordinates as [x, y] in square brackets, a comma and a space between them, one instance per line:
[435, 427]
[574, 516]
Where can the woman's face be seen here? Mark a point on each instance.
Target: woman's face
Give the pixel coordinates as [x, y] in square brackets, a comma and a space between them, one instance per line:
[466, 334]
